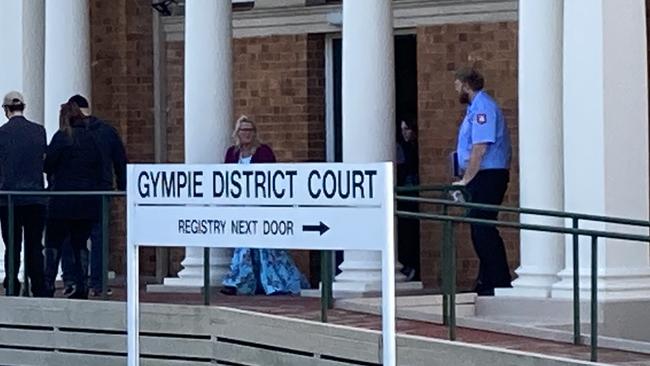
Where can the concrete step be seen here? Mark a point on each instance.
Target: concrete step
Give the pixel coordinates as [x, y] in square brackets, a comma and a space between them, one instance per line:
[421, 308]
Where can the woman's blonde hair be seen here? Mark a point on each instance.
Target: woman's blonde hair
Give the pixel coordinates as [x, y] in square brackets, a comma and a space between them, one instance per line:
[235, 133]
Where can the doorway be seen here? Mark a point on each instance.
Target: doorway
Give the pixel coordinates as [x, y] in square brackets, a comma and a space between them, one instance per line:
[406, 105]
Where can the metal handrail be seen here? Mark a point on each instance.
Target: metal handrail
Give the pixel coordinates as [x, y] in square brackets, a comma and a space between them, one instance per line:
[528, 211]
[9, 273]
[531, 227]
[448, 249]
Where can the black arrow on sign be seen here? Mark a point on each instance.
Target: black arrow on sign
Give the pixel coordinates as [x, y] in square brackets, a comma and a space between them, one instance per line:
[322, 228]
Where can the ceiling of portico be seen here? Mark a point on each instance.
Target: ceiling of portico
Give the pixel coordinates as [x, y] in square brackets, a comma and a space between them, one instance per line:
[269, 17]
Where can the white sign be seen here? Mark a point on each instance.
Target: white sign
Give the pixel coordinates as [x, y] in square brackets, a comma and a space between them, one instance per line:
[315, 206]
[262, 205]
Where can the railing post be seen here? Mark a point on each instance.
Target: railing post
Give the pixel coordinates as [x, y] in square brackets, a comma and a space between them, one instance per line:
[594, 298]
[10, 246]
[445, 268]
[452, 282]
[105, 244]
[26, 286]
[576, 284]
[326, 284]
[206, 276]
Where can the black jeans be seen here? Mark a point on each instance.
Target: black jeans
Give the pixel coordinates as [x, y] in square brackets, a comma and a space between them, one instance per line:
[408, 237]
[77, 231]
[29, 222]
[96, 254]
[489, 187]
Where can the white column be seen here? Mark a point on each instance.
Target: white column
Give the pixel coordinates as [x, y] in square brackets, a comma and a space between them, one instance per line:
[541, 174]
[208, 112]
[67, 56]
[22, 33]
[34, 58]
[606, 137]
[23, 36]
[368, 114]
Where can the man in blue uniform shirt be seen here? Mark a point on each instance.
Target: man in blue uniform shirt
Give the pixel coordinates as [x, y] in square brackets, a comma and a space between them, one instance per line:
[484, 152]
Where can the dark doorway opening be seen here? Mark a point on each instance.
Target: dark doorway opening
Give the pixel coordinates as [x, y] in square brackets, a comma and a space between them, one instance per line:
[406, 109]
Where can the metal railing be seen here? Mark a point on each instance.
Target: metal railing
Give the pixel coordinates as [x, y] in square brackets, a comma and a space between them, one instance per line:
[10, 204]
[449, 249]
[448, 252]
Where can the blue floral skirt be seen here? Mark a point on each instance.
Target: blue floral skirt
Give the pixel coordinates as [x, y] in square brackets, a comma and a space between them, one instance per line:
[266, 271]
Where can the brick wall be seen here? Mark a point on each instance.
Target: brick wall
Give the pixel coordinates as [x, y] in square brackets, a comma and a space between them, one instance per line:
[122, 93]
[278, 82]
[491, 47]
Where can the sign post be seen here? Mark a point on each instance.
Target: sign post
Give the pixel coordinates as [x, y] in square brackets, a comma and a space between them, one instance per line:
[328, 206]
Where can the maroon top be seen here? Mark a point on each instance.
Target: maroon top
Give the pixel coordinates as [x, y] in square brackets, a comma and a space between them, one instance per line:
[263, 154]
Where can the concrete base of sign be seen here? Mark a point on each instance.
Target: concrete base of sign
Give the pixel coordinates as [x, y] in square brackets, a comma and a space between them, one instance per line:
[401, 289]
[523, 292]
[368, 287]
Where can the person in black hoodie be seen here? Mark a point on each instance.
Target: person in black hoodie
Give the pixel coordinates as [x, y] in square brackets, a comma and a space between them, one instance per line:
[73, 163]
[113, 160]
[22, 147]
[110, 146]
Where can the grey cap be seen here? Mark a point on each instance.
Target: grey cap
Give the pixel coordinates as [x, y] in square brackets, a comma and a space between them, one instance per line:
[13, 98]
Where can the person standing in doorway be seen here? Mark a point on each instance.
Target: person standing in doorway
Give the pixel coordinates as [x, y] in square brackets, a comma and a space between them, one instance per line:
[484, 152]
[22, 149]
[408, 230]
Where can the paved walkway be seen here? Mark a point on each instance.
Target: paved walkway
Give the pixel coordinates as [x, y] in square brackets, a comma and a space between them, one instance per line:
[309, 309]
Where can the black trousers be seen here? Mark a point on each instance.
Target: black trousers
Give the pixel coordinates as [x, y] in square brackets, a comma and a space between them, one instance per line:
[78, 232]
[29, 222]
[489, 187]
[408, 238]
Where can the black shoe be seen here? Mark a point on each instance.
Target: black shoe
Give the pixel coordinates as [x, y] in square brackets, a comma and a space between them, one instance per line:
[98, 293]
[17, 289]
[229, 290]
[81, 294]
[68, 290]
[409, 273]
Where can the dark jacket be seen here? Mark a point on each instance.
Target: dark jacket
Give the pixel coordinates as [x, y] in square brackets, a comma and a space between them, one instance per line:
[407, 164]
[22, 148]
[263, 154]
[74, 163]
[112, 152]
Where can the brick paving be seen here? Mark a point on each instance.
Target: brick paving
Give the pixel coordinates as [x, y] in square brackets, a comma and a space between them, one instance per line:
[309, 309]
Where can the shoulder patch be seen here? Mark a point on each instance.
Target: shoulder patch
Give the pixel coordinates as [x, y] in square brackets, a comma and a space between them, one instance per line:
[481, 118]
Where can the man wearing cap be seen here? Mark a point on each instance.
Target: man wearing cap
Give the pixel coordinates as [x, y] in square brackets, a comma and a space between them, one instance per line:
[22, 148]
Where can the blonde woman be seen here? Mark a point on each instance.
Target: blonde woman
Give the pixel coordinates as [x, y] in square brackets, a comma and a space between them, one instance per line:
[253, 271]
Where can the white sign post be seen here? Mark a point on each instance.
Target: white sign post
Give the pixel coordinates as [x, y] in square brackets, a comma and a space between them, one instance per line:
[286, 206]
